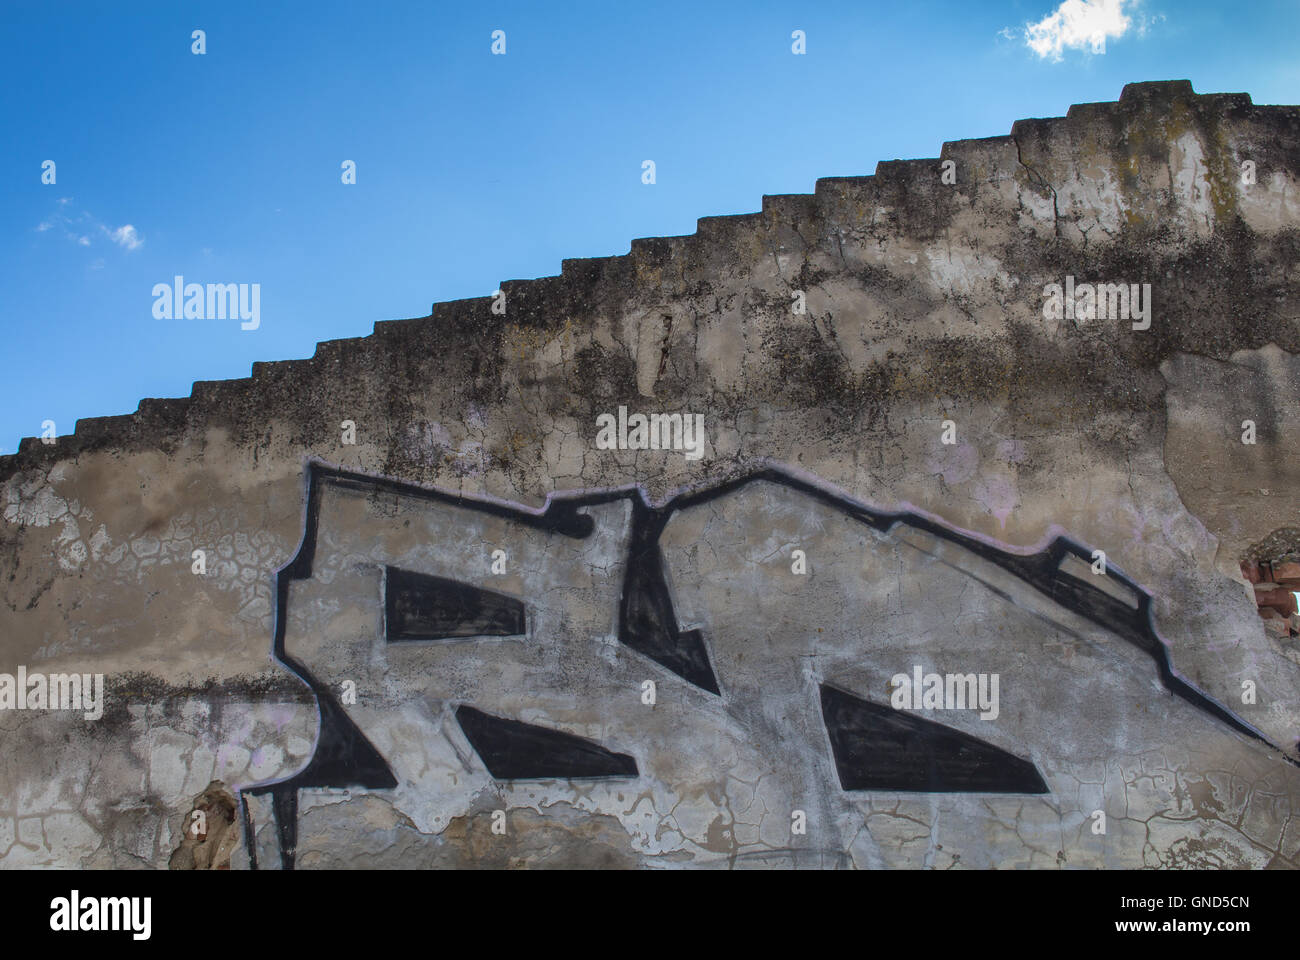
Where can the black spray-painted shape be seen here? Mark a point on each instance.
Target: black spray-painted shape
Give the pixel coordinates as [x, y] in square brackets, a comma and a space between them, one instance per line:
[344, 757]
[879, 748]
[514, 750]
[1042, 571]
[647, 622]
[422, 607]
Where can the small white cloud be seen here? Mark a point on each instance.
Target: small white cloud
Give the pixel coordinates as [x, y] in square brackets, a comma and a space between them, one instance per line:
[125, 236]
[81, 227]
[1078, 25]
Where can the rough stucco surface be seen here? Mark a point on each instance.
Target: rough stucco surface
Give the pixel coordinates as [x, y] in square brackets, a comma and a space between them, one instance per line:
[924, 304]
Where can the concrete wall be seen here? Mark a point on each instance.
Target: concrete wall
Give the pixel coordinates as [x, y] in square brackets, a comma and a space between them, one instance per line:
[1150, 693]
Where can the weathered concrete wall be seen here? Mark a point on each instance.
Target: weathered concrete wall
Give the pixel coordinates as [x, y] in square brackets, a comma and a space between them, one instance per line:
[1151, 693]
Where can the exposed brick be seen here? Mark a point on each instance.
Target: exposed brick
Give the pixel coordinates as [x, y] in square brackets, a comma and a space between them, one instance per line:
[1287, 573]
[1282, 601]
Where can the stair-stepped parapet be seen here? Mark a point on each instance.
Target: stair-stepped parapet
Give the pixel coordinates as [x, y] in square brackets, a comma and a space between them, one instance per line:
[1031, 176]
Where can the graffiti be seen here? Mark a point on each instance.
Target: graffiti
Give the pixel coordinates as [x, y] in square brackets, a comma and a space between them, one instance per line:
[391, 590]
[420, 607]
[512, 750]
[880, 748]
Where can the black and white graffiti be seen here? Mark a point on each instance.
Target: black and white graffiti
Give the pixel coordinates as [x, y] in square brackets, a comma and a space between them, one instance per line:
[453, 641]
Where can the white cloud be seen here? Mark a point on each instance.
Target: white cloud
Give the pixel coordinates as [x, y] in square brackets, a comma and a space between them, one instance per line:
[70, 226]
[1078, 25]
[81, 227]
[125, 236]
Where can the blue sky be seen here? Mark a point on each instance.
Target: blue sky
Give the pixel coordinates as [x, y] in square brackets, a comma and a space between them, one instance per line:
[474, 168]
